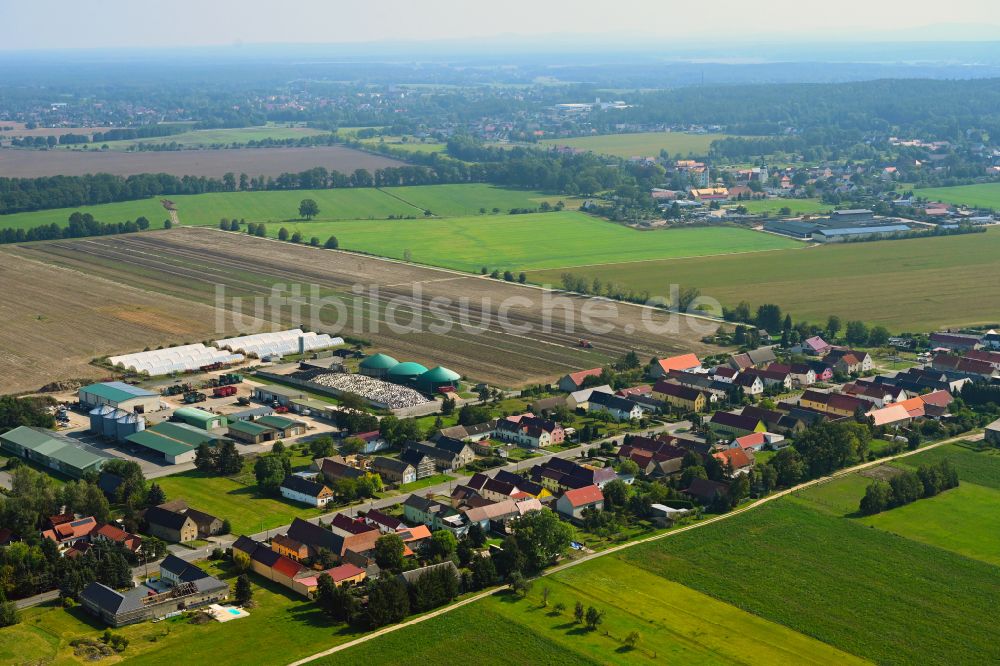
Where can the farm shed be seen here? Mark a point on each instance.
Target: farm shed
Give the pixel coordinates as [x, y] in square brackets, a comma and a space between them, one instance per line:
[251, 432]
[53, 450]
[175, 443]
[199, 418]
[285, 427]
[283, 395]
[120, 396]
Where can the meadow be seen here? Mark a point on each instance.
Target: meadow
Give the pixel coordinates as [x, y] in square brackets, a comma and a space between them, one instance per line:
[864, 591]
[670, 618]
[533, 241]
[774, 206]
[225, 497]
[983, 195]
[907, 285]
[642, 144]
[282, 627]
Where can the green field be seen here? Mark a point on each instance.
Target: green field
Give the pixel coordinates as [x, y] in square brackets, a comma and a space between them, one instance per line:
[334, 204]
[973, 465]
[984, 195]
[642, 144]
[411, 145]
[283, 626]
[862, 590]
[224, 497]
[964, 520]
[535, 241]
[773, 206]
[676, 625]
[907, 285]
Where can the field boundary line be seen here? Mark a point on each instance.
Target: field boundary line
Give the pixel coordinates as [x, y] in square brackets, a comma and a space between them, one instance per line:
[630, 544]
[399, 198]
[690, 256]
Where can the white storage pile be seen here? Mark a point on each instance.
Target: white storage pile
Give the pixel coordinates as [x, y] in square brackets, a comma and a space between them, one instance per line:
[174, 359]
[392, 396]
[279, 342]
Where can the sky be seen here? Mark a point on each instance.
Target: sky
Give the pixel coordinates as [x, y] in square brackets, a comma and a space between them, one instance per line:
[57, 24]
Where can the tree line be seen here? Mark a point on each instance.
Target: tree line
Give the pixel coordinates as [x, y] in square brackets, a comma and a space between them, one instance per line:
[907, 486]
[81, 225]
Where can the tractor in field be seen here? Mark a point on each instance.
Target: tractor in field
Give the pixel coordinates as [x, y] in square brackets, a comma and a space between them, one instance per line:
[585, 344]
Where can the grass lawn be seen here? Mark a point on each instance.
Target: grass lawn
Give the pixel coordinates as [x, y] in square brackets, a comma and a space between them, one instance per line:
[498, 242]
[964, 520]
[425, 482]
[248, 513]
[864, 591]
[122, 211]
[411, 145]
[973, 466]
[220, 137]
[642, 144]
[983, 195]
[282, 627]
[773, 206]
[872, 282]
[466, 200]
[676, 625]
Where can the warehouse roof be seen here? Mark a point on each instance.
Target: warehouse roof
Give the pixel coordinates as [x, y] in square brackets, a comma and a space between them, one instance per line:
[56, 446]
[117, 391]
[287, 391]
[151, 440]
[277, 422]
[251, 428]
[185, 433]
[851, 231]
[195, 415]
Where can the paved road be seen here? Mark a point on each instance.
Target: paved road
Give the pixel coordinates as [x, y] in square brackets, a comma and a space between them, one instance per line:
[631, 544]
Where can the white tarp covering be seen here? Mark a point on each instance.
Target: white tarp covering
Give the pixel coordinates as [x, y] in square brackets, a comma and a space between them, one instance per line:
[175, 359]
[278, 342]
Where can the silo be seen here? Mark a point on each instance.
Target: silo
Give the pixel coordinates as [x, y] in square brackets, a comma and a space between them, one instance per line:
[109, 428]
[97, 415]
[129, 425]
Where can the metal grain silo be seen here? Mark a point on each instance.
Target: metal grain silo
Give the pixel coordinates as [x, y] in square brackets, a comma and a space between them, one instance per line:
[129, 425]
[97, 415]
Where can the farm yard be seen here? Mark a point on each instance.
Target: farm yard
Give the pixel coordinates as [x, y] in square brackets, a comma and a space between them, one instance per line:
[215, 163]
[908, 285]
[188, 263]
[837, 581]
[670, 618]
[573, 239]
[984, 195]
[641, 144]
[57, 320]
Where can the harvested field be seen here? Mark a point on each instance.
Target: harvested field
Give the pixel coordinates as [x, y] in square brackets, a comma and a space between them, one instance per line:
[215, 163]
[55, 321]
[528, 346]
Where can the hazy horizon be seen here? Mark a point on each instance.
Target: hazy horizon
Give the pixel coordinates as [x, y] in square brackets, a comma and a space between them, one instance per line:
[49, 24]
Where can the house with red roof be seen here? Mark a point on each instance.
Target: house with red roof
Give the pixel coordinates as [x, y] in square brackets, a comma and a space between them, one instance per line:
[114, 534]
[68, 530]
[816, 346]
[572, 503]
[682, 363]
[574, 380]
[736, 461]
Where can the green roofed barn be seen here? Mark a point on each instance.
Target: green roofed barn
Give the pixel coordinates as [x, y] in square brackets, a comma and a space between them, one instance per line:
[53, 450]
[377, 365]
[406, 373]
[199, 418]
[438, 378]
[175, 443]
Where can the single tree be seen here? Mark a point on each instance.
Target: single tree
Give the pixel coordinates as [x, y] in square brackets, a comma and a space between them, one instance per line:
[308, 209]
[244, 591]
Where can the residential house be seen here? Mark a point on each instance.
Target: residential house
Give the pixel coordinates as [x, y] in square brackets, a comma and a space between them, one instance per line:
[834, 403]
[283, 544]
[529, 431]
[524, 485]
[849, 361]
[621, 409]
[341, 545]
[549, 405]
[572, 503]
[173, 526]
[706, 491]
[208, 525]
[633, 392]
[755, 358]
[992, 434]
[775, 376]
[448, 454]
[758, 441]
[964, 366]
[879, 395]
[822, 370]
[581, 399]
[751, 384]
[494, 517]
[683, 363]
[336, 468]
[384, 523]
[737, 425]
[299, 489]
[67, 530]
[114, 534]
[394, 470]
[423, 464]
[816, 346]
[894, 414]
[373, 442]
[736, 460]
[680, 397]
[430, 512]
[557, 474]
[725, 374]
[800, 373]
[574, 381]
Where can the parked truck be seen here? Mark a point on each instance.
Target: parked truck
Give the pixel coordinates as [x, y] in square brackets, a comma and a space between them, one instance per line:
[192, 397]
[223, 391]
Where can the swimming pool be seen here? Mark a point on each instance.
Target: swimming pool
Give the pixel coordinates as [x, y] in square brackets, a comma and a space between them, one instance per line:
[233, 611]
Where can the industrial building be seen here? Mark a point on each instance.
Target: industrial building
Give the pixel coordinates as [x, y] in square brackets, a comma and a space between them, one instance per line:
[120, 396]
[406, 372]
[174, 443]
[377, 365]
[409, 373]
[841, 234]
[199, 418]
[53, 450]
[185, 358]
[438, 378]
[283, 395]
